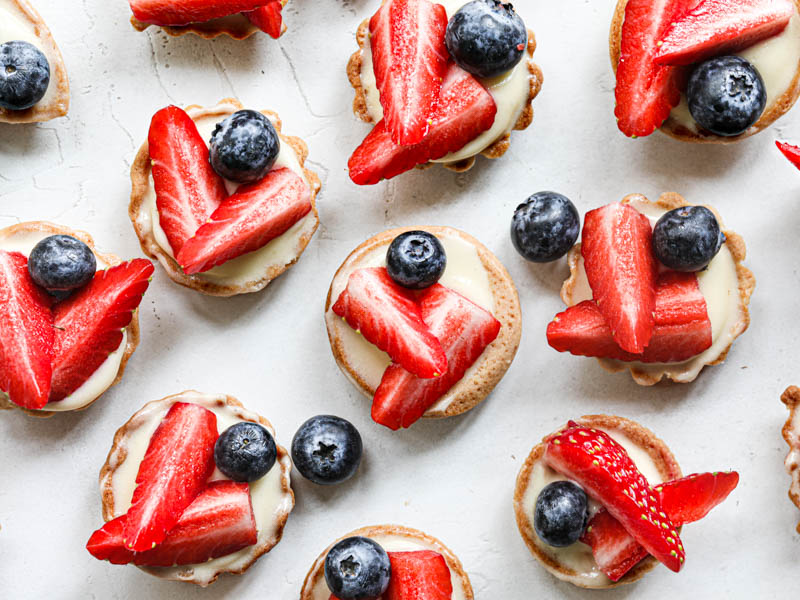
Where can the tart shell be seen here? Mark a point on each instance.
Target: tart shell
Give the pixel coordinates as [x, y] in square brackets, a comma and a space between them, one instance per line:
[791, 398]
[642, 437]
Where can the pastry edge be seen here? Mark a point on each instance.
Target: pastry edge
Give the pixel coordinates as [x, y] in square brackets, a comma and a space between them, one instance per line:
[791, 398]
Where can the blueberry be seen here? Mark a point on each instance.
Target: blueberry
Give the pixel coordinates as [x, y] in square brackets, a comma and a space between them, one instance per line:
[327, 450]
[416, 259]
[545, 227]
[24, 75]
[61, 263]
[245, 451]
[561, 513]
[486, 37]
[726, 95]
[357, 568]
[687, 238]
[244, 147]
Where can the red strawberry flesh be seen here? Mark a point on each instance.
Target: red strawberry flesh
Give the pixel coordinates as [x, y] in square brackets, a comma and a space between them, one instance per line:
[421, 575]
[183, 12]
[791, 152]
[614, 550]
[268, 18]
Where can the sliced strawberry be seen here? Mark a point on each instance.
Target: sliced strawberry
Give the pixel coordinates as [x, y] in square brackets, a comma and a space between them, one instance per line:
[618, 258]
[219, 522]
[613, 548]
[410, 61]
[790, 152]
[682, 327]
[26, 334]
[646, 92]
[604, 469]
[170, 12]
[422, 575]
[187, 188]
[247, 220]
[89, 324]
[387, 315]
[178, 461]
[466, 110]
[464, 330]
[268, 18]
[720, 27]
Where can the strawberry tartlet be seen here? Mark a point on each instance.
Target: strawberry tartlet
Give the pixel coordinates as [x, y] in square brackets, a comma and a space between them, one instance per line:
[628, 309]
[420, 566]
[194, 486]
[601, 501]
[436, 349]
[209, 19]
[210, 233]
[452, 105]
[59, 353]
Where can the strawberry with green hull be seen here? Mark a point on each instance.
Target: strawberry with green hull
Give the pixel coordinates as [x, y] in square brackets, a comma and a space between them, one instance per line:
[791, 152]
[268, 18]
[184, 12]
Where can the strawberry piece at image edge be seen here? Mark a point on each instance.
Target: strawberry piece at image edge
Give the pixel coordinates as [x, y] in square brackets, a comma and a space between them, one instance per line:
[268, 18]
[185, 12]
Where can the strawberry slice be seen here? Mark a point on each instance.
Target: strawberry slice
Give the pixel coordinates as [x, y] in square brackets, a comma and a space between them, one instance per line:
[219, 522]
[646, 92]
[247, 220]
[604, 469]
[682, 327]
[268, 18]
[89, 324]
[618, 258]
[410, 61]
[720, 27]
[187, 188]
[422, 575]
[388, 316]
[790, 152]
[178, 461]
[466, 110]
[26, 334]
[685, 501]
[464, 330]
[170, 12]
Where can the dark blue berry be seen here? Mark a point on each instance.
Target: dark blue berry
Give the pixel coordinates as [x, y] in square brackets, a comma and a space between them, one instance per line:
[687, 238]
[245, 452]
[327, 450]
[486, 37]
[726, 95]
[244, 147]
[561, 513]
[24, 75]
[416, 259]
[357, 568]
[61, 263]
[545, 227]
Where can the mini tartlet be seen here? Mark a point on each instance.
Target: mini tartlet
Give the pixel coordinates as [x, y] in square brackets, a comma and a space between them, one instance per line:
[791, 433]
[250, 272]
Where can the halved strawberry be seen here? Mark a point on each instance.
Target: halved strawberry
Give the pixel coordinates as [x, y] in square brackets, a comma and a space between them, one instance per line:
[26, 334]
[218, 522]
[466, 110]
[170, 12]
[682, 327]
[421, 575]
[464, 330]
[603, 468]
[791, 152]
[410, 61]
[268, 18]
[614, 550]
[387, 315]
[89, 324]
[188, 190]
[618, 258]
[247, 220]
[178, 461]
[720, 27]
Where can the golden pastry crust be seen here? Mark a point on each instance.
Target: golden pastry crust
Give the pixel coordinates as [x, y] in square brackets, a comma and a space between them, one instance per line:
[497, 149]
[747, 283]
[142, 224]
[644, 438]
[496, 359]
[119, 453]
[317, 572]
[791, 433]
[237, 26]
[111, 260]
[59, 106]
[674, 129]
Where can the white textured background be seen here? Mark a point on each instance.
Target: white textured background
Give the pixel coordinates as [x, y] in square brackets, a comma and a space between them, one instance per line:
[455, 478]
